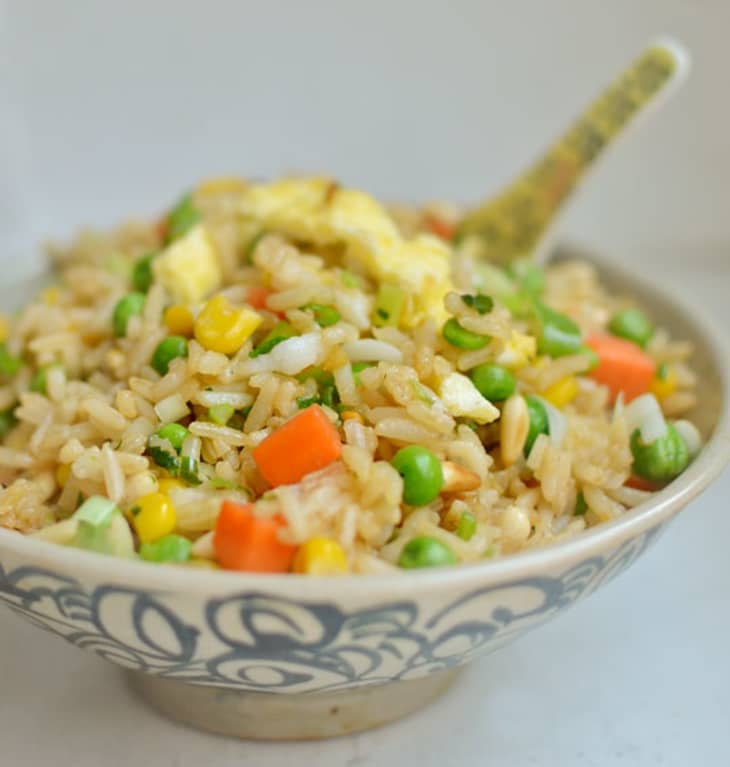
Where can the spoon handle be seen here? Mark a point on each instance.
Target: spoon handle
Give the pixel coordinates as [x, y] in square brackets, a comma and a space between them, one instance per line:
[514, 223]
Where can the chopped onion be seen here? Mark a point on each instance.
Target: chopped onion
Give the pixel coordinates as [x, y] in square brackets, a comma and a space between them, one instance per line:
[372, 350]
[645, 414]
[233, 398]
[172, 408]
[557, 423]
[691, 436]
[296, 353]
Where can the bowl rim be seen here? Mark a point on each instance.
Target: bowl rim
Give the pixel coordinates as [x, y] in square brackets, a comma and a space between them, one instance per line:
[708, 465]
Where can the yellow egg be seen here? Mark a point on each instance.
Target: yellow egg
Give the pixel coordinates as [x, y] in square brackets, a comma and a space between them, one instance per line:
[316, 210]
[320, 556]
[189, 269]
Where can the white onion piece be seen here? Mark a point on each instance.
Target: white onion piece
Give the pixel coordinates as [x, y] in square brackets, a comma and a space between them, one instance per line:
[557, 423]
[372, 350]
[645, 414]
[295, 354]
[172, 408]
[691, 436]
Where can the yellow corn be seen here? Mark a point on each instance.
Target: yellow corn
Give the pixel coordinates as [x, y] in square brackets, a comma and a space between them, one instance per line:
[168, 485]
[153, 517]
[3, 328]
[351, 415]
[63, 472]
[335, 359]
[661, 388]
[221, 327]
[221, 185]
[561, 392]
[179, 320]
[50, 296]
[320, 556]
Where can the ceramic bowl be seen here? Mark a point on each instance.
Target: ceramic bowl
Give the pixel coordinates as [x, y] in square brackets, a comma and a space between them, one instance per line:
[276, 656]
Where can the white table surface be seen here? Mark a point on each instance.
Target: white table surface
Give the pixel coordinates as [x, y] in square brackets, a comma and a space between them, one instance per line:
[639, 674]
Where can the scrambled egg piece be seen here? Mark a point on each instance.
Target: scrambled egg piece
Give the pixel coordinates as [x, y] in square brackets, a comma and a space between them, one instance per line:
[189, 269]
[316, 210]
[518, 351]
[462, 398]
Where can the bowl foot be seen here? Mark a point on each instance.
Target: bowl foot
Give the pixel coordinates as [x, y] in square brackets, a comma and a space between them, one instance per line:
[266, 716]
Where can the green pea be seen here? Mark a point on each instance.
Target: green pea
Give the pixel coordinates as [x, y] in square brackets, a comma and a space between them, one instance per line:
[422, 474]
[662, 371]
[558, 335]
[280, 332]
[633, 325]
[174, 433]
[9, 365]
[661, 460]
[221, 414]
[127, 307]
[170, 548]
[483, 304]
[38, 383]
[581, 507]
[182, 218]
[493, 381]
[7, 422]
[142, 275]
[426, 551]
[467, 526]
[461, 337]
[168, 350]
[325, 316]
[538, 422]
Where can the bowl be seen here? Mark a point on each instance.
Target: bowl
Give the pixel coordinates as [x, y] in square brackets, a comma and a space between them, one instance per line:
[280, 657]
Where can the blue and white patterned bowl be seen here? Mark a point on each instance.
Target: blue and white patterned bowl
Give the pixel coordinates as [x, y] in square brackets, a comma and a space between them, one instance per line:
[284, 657]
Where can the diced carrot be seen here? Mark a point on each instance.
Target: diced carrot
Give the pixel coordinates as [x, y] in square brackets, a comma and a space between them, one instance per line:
[305, 444]
[639, 483]
[257, 298]
[443, 229]
[243, 541]
[622, 366]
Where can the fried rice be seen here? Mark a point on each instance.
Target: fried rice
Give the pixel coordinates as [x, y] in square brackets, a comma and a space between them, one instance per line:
[347, 304]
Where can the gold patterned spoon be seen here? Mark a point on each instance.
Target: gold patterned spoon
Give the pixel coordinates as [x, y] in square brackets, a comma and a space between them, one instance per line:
[517, 222]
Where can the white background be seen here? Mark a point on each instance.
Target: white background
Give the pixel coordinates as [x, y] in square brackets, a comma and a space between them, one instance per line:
[109, 108]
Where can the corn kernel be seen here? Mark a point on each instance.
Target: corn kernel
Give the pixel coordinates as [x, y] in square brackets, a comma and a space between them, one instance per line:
[3, 328]
[179, 320]
[168, 485]
[51, 296]
[153, 516]
[221, 327]
[320, 556]
[351, 415]
[221, 185]
[561, 392]
[661, 388]
[63, 472]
